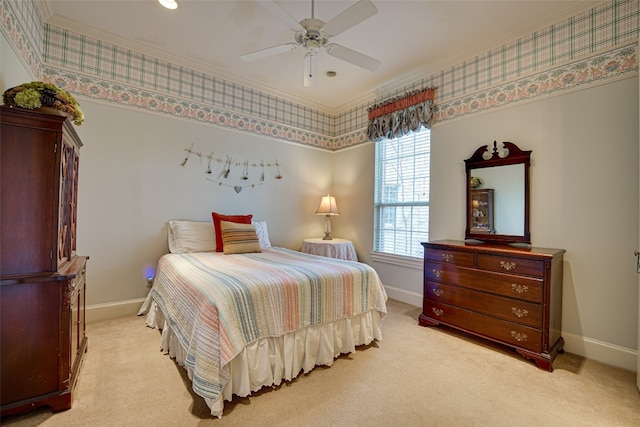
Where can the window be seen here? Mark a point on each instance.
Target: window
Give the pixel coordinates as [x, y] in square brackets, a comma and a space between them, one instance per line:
[402, 194]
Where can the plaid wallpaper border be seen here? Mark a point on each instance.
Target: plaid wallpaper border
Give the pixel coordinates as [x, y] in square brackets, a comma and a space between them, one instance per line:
[584, 49]
[22, 24]
[588, 34]
[67, 50]
[615, 64]
[182, 107]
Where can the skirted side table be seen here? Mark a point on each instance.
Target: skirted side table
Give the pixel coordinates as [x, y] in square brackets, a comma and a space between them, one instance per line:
[334, 248]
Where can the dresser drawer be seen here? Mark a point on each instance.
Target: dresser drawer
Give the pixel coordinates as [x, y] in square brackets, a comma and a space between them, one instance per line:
[452, 257]
[511, 265]
[518, 311]
[510, 285]
[486, 326]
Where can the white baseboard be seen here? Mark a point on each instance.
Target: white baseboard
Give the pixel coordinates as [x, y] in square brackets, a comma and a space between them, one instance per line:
[600, 351]
[113, 310]
[404, 296]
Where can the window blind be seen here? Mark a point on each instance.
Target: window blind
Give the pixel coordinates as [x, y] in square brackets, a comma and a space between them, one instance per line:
[401, 217]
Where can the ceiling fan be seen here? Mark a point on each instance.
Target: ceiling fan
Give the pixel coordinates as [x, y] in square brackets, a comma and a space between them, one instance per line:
[314, 34]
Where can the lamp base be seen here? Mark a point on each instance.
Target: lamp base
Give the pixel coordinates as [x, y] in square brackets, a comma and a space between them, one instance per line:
[327, 228]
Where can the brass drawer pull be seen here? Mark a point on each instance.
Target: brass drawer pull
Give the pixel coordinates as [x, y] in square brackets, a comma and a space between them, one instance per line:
[437, 292]
[521, 289]
[437, 311]
[518, 312]
[447, 257]
[508, 265]
[518, 336]
[438, 273]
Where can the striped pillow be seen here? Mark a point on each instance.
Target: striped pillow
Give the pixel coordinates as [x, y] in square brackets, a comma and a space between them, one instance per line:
[239, 238]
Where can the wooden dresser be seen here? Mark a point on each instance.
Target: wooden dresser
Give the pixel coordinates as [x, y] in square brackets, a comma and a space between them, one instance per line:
[506, 294]
[42, 279]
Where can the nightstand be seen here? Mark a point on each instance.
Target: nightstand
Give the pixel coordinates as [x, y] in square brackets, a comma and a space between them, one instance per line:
[334, 248]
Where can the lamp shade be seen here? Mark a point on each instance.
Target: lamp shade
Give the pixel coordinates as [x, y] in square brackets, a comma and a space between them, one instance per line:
[328, 206]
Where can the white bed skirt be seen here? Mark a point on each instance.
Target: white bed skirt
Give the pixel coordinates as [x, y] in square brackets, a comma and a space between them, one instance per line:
[270, 360]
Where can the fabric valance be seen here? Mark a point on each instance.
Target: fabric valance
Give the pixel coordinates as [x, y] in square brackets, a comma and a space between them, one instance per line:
[399, 116]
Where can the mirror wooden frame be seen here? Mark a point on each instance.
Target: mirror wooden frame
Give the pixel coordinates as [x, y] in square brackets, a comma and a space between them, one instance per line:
[510, 154]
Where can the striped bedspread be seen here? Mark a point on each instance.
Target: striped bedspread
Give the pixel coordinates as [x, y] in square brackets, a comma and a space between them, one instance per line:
[216, 304]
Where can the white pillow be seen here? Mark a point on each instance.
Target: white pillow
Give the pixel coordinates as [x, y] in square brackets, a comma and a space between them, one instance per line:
[191, 236]
[263, 233]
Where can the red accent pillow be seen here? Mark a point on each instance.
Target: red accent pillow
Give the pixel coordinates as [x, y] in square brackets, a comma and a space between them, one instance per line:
[240, 219]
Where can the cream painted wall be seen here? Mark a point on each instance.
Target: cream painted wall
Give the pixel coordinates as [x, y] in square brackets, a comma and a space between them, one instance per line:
[131, 184]
[13, 72]
[584, 198]
[585, 189]
[353, 184]
[353, 187]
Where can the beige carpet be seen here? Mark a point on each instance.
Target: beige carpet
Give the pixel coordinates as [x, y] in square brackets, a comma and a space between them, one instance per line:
[415, 376]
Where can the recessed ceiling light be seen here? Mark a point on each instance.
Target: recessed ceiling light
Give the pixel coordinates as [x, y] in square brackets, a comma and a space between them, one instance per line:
[169, 4]
[331, 73]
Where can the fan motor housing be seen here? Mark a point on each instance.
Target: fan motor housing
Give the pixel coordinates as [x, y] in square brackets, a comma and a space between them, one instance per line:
[312, 35]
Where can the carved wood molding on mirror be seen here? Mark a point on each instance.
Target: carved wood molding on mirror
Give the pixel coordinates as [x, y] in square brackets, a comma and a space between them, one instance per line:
[497, 189]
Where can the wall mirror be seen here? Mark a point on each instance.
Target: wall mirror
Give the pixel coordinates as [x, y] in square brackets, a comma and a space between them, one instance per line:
[498, 194]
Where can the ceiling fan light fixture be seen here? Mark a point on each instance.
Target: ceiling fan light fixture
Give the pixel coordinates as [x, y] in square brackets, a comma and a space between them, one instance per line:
[314, 34]
[310, 68]
[169, 4]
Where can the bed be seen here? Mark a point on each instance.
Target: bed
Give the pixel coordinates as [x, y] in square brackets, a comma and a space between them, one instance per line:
[238, 322]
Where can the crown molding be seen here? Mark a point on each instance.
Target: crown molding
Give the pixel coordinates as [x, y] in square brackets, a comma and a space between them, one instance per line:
[46, 9]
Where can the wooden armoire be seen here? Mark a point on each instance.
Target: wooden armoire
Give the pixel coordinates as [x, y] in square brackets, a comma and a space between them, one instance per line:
[42, 279]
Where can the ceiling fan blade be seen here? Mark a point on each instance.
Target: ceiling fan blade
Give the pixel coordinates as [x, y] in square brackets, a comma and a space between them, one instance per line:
[270, 51]
[355, 58]
[281, 14]
[350, 17]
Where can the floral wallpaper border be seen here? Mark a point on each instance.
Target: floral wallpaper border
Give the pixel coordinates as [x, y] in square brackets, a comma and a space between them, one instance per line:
[615, 64]
[22, 18]
[115, 93]
[12, 28]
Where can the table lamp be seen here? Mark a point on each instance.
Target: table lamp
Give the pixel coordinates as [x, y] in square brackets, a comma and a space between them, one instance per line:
[327, 208]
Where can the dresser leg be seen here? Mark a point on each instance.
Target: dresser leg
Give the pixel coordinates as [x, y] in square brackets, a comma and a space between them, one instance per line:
[427, 321]
[543, 361]
[545, 365]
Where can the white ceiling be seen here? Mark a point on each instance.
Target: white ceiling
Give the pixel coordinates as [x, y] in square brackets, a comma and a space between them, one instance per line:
[411, 38]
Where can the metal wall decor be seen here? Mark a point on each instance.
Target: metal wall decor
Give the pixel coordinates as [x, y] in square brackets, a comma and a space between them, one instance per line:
[230, 164]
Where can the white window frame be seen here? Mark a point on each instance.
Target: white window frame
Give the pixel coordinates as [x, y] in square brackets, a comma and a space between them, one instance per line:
[418, 230]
